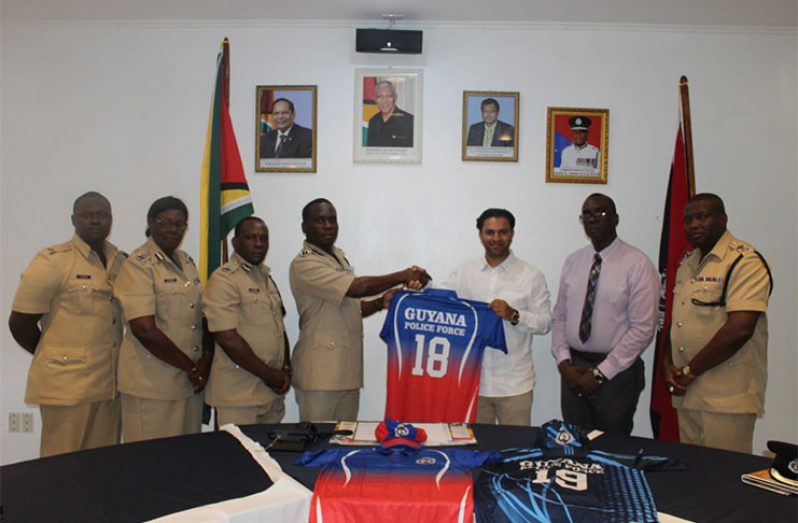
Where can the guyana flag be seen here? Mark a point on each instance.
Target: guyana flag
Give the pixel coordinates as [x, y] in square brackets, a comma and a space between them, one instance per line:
[224, 193]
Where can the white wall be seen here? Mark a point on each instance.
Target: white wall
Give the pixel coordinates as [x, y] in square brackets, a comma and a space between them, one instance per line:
[122, 108]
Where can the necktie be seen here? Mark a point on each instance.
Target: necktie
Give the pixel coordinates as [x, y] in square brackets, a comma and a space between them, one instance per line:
[278, 152]
[487, 139]
[590, 296]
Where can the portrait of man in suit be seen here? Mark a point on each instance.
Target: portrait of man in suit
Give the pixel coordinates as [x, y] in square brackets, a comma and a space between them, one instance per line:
[491, 132]
[287, 139]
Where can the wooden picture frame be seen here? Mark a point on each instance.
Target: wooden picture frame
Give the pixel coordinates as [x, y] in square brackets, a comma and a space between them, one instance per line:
[290, 108]
[396, 93]
[490, 126]
[577, 145]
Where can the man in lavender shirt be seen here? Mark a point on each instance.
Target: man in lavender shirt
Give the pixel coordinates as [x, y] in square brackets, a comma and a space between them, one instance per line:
[597, 340]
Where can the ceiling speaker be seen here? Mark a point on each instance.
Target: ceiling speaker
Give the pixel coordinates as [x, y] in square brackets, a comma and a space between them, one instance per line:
[388, 41]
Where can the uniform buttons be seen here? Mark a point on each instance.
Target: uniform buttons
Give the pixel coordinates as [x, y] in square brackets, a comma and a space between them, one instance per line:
[194, 327]
[65, 358]
[681, 349]
[679, 324]
[238, 367]
[196, 348]
[191, 306]
[692, 280]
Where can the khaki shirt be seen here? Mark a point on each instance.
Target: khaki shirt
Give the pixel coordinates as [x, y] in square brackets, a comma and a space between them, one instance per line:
[242, 297]
[738, 384]
[329, 352]
[76, 358]
[150, 284]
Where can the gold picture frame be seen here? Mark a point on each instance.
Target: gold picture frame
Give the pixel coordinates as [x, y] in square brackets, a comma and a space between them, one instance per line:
[483, 110]
[577, 145]
[296, 107]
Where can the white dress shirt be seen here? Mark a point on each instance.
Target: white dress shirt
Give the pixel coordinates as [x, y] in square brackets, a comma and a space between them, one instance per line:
[524, 288]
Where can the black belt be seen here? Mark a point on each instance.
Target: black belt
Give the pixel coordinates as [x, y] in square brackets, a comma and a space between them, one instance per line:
[590, 357]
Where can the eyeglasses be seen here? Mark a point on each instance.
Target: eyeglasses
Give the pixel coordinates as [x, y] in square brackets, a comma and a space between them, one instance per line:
[586, 215]
[168, 224]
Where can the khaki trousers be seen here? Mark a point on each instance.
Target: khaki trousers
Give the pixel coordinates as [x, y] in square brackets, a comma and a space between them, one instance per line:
[506, 410]
[716, 429]
[327, 405]
[144, 418]
[271, 413]
[79, 427]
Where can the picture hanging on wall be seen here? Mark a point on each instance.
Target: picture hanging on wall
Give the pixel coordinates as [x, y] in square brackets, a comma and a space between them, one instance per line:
[577, 142]
[388, 114]
[490, 126]
[285, 133]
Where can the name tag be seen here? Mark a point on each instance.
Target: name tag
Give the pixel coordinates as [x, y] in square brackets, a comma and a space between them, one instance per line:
[716, 279]
[170, 280]
[254, 290]
[83, 276]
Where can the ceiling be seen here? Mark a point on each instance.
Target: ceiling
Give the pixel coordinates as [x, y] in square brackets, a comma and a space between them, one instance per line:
[736, 13]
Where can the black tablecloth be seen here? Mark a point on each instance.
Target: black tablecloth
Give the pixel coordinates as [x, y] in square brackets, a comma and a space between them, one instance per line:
[145, 480]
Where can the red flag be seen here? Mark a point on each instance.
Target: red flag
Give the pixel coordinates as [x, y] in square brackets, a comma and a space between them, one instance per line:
[672, 248]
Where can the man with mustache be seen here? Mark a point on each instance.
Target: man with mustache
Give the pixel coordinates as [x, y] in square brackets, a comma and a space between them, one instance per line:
[252, 372]
[717, 367]
[605, 317]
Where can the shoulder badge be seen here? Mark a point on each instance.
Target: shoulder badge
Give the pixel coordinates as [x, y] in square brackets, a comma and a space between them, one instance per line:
[226, 269]
[60, 248]
[304, 253]
[142, 256]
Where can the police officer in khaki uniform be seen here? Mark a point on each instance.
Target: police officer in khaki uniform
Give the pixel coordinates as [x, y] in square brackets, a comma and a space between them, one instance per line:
[717, 367]
[167, 352]
[328, 357]
[245, 314]
[64, 314]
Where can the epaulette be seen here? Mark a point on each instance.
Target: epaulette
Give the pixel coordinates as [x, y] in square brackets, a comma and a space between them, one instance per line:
[142, 256]
[226, 269]
[304, 253]
[60, 248]
[742, 248]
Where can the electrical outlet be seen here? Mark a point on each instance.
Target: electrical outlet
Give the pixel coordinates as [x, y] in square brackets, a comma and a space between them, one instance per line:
[13, 422]
[27, 422]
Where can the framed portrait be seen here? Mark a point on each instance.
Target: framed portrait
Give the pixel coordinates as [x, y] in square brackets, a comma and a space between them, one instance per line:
[285, 133]
[577, 143]
[490, 126]
[388, 111]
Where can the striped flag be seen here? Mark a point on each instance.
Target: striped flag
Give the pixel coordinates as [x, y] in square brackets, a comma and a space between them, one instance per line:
[673, 246]
[224, 193]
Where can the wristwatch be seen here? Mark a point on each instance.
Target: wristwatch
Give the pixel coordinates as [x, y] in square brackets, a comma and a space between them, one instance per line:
[515, 317]
[598, 376]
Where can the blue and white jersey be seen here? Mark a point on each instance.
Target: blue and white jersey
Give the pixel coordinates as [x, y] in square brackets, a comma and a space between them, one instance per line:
[435, 346]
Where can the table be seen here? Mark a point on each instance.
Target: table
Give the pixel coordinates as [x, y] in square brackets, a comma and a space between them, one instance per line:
[145, 480]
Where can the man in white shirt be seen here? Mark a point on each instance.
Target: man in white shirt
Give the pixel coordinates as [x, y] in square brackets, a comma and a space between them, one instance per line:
[517, 292]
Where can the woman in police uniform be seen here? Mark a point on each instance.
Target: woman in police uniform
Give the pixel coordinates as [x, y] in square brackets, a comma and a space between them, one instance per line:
[165, 357]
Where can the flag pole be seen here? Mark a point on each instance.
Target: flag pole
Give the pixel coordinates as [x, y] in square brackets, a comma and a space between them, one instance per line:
[684, 96]
[226, 102]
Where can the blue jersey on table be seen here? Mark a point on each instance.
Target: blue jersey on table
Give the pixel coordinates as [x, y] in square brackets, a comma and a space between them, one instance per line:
[435, 346]
[394, 484]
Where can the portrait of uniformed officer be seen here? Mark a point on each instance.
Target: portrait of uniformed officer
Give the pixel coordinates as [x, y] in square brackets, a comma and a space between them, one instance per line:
[580, 155]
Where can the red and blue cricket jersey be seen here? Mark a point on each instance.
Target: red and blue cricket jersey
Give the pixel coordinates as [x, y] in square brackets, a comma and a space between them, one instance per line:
[435, 346]
[393, 484]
